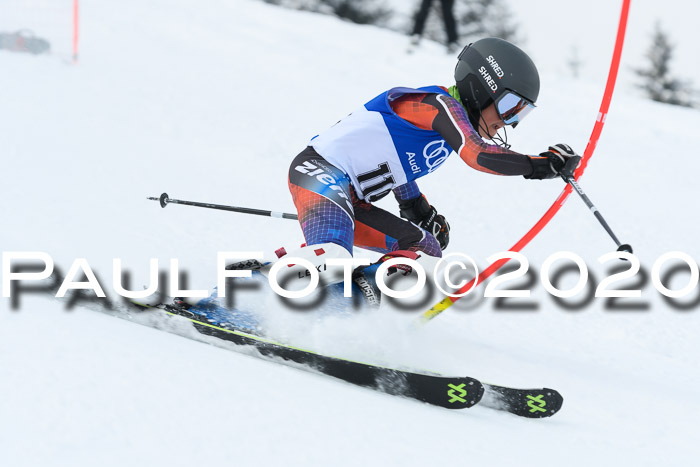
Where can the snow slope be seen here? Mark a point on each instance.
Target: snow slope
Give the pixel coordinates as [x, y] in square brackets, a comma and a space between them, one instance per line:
[210, 101]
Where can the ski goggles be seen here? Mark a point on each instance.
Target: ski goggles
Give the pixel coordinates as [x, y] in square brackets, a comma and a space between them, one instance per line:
[512, 108]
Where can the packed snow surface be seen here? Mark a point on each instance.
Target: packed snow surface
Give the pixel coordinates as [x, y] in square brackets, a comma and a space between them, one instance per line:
[210, 101]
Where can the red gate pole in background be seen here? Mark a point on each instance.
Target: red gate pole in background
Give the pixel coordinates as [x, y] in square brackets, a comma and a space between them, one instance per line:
[75, 31]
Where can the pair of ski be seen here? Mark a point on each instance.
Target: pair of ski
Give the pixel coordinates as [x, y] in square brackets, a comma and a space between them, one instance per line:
[443, 391]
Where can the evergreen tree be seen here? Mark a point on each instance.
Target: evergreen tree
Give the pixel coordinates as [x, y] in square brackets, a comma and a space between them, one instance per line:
[476, 19]
[360, 11]
[657, 81]
[357, 11]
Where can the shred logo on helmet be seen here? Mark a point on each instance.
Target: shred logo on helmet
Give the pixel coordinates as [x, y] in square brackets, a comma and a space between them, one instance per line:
[488, 79]
[517, 76]
[496, 67]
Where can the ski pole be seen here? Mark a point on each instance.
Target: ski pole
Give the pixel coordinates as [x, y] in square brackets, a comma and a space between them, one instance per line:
[165, 200]
[567, 174]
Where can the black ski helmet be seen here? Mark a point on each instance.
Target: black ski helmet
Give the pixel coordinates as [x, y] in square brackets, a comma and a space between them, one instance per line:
[488, 68]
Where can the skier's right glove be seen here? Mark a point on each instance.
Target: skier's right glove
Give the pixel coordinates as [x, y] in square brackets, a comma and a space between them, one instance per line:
[551, 163]
[421, 213]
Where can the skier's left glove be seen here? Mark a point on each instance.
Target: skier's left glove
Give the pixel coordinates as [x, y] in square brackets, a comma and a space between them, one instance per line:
[551, 163]
[421, 213]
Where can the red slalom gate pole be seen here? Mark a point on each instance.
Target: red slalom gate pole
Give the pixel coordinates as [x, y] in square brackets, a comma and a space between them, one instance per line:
[561, 199]
[75, 30]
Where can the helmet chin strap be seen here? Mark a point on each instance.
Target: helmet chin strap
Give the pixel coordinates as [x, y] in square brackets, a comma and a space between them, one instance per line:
[501, 141]
[496, 138]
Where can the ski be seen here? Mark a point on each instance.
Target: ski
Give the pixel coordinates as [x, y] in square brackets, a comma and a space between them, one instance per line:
[442, 391]
[529, 403]
[435, 389]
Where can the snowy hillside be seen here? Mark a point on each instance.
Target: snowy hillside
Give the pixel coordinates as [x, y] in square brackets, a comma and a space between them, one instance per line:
[210, 101]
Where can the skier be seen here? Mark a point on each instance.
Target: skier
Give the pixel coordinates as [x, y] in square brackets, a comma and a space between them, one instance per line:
[404, 134]
[448, 17]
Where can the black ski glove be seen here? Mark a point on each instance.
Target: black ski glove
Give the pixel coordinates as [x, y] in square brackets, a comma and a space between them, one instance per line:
[551, 162]
[421, 213]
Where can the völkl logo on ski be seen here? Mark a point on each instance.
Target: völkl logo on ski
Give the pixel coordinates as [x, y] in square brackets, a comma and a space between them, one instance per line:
[454, 397]
[540, 403]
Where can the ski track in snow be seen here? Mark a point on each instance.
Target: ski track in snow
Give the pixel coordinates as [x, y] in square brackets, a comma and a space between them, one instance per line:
[210, 101]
